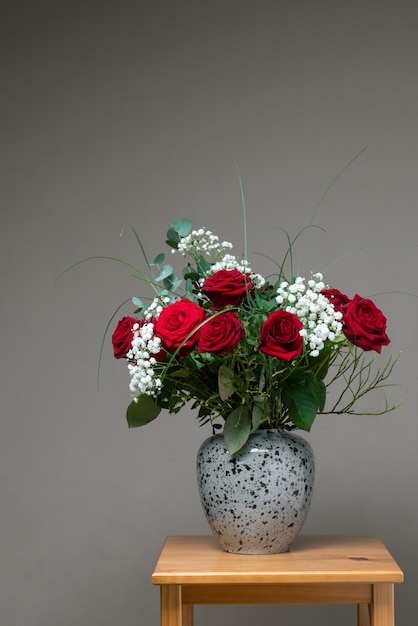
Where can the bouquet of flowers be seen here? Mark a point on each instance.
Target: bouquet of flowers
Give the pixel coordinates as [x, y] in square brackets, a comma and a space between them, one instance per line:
[247, 352]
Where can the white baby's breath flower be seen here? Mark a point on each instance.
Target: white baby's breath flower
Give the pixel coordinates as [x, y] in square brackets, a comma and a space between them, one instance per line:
[141, 362]
[155, 308]
[230, 262]
[203, 241]
[319, 319]
[257, 280]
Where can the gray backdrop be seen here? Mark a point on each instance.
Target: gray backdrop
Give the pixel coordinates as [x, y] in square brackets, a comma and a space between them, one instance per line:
[140, 112]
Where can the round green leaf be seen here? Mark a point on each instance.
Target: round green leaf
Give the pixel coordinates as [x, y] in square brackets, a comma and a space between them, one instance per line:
[142, 412]
[159, 259]
[182, 227]
[166, 271]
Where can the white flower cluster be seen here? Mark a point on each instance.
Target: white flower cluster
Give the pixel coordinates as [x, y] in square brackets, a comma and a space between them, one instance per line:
[141, 361]
[203, 242]
[230, 262]
[320, 320]
[155, 308]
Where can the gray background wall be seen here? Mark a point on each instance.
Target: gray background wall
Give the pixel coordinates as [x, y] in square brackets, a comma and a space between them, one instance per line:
[140, 112]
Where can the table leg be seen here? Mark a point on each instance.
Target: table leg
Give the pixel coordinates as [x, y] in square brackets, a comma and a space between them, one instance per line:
[364, 615]
[187, 613]
[383, 610]
[171, 609]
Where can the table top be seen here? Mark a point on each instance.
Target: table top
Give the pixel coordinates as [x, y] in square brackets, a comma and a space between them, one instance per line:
[312, 559]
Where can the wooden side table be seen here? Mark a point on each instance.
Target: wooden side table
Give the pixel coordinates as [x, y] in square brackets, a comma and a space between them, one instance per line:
[318, 570]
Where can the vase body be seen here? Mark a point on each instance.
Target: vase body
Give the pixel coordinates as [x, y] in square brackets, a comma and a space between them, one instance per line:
[256, 502]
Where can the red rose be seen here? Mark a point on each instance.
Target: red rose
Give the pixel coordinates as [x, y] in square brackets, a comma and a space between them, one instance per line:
[365, 325]
[280, 336]
[227, 287]
[176, 323]
[122, 337]
[221, 333]
[338, 300]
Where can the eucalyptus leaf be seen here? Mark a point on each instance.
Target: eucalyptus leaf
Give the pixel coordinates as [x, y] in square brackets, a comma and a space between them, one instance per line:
[166, 271]
[142, 412]
[172, 282]
[172, 243]
[138, 303]
[159, 259]
[191, 274]
[237, 429]
[204, 265]
[173, 236]
[183, 227]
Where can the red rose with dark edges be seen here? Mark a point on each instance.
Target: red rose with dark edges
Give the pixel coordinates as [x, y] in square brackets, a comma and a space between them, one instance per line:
[220, 334]
[122, 337]
[227, 287]
[365, 325]
[338, 299]
[176, 324]
[280, 336]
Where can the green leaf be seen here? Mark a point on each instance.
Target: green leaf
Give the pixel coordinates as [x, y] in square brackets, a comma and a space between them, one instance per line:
[302, 405]
[141, 412]
[318, 389]
[173, 238]
[190, 274]
[203, 412]
[182, 227]
[237, 429]
[256, 416]
[203, 265]
[166, 271]
[320, 364]
[225, 382]
[170, 241]
[172, 282]
[262, 380]
[159, 259]
[138, 303]
[180, 373]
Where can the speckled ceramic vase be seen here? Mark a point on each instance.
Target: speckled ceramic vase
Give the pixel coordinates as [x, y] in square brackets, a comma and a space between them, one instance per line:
[256, 502]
